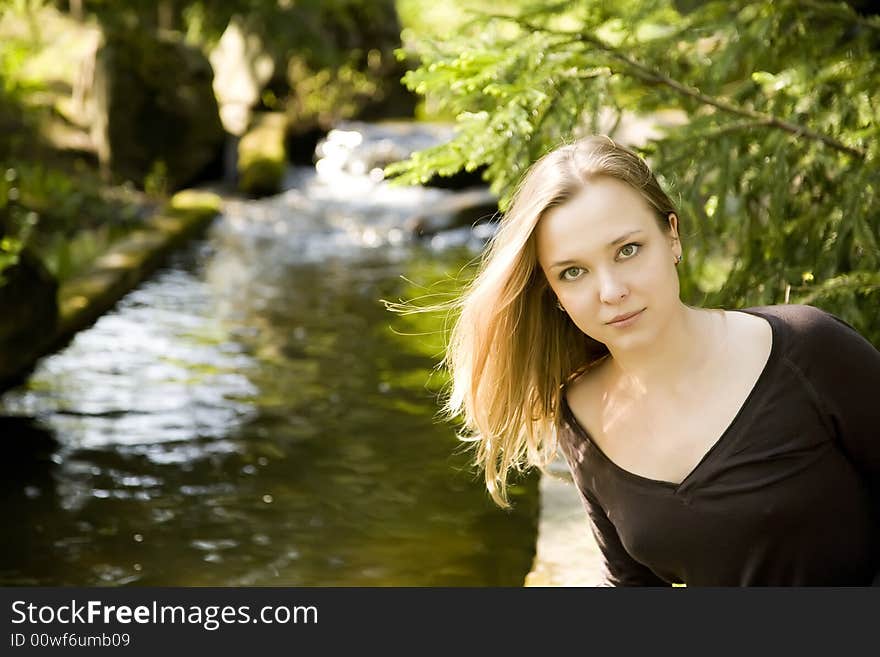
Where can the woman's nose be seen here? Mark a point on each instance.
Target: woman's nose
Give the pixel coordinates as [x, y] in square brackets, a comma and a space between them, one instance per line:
[611, 287]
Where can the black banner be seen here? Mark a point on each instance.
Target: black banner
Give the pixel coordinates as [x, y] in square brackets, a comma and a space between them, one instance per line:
[287, 621]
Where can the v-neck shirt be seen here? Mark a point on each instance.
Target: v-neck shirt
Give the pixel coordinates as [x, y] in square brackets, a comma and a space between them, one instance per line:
[789, 493]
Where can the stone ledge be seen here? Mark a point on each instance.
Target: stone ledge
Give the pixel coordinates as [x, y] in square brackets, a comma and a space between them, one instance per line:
[84, 298]
[566, 553]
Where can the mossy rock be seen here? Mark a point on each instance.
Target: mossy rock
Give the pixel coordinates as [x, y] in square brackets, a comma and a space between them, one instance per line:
[194, 202]
[28, 296]
[262, 155]
[155, 111]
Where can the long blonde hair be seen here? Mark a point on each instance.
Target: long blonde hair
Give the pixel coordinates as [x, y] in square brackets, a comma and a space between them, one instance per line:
[511, 349]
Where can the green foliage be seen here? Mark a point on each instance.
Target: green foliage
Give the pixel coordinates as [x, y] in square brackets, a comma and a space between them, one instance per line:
[325, 32]
[48, 205]
[334, 59]
[156, 181]
[775, 168]
[343, 53]
[65, 219]
[16, 222]
[327, 95]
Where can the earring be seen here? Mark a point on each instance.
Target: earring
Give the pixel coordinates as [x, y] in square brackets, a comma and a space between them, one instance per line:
[559, 305]
[678, 260]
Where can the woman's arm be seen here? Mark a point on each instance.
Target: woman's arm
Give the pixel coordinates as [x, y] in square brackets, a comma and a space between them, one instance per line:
[843, 369]
[620, 568]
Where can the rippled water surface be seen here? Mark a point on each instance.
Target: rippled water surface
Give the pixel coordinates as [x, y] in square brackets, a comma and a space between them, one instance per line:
[252, 415]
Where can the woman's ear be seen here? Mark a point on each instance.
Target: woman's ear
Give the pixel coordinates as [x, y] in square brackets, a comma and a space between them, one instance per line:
[672, 218]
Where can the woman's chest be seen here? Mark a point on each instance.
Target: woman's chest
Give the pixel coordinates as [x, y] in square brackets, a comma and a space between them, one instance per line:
[785, 507]
[775, 485]
[657, 437]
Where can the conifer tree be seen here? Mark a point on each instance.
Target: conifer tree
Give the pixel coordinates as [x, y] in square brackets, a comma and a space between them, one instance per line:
[775, 168]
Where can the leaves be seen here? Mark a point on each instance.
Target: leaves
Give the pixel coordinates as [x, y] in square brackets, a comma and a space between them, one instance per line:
[775, 169]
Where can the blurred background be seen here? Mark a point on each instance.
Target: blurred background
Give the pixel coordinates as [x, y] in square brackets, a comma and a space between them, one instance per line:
[249, 413]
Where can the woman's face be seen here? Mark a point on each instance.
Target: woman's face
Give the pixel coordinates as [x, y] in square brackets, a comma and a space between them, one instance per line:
[605, 255]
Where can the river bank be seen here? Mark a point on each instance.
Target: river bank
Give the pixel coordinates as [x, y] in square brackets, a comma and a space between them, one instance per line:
[566, 554]
[86, 296]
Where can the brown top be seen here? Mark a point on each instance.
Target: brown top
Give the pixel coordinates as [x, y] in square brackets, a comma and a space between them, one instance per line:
[788, 495]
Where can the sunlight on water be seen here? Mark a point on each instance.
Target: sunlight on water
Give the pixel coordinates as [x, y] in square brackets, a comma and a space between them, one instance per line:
[252, 415]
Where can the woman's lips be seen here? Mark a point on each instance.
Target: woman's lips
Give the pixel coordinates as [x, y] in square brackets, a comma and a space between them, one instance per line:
[627, 320]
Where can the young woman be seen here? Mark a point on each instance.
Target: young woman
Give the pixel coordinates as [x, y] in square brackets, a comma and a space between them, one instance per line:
[709, 447]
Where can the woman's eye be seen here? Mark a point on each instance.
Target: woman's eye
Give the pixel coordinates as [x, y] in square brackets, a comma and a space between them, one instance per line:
[570, 274]
[629, 250]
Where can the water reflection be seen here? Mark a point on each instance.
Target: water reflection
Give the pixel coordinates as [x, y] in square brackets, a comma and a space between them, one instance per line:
[252, 416]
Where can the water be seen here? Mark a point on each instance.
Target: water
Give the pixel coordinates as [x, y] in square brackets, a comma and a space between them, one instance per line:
[252, 415]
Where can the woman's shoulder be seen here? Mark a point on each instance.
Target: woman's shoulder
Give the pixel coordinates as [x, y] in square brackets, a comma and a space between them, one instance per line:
[803, 320]
[583, 389]
[797, 315]
[809, 331]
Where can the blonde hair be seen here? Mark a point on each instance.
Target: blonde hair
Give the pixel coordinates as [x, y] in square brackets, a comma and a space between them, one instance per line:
[511, 349]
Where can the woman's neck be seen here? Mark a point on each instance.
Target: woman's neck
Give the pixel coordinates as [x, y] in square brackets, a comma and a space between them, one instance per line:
[686, 347]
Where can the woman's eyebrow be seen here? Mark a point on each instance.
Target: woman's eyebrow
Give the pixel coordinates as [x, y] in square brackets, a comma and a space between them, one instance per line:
[624, 236]
[615, 242]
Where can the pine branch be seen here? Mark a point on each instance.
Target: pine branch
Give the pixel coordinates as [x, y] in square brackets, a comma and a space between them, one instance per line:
[648, 74]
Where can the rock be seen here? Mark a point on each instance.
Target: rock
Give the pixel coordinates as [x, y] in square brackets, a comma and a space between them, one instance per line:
[26, 444]
[28, 296]
[566, 553]
[155, 110]
[463, 209]
[262, 156]
[302, 144]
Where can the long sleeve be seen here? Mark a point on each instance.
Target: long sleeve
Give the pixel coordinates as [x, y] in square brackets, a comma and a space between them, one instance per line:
[620, 568]
[843, 369]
